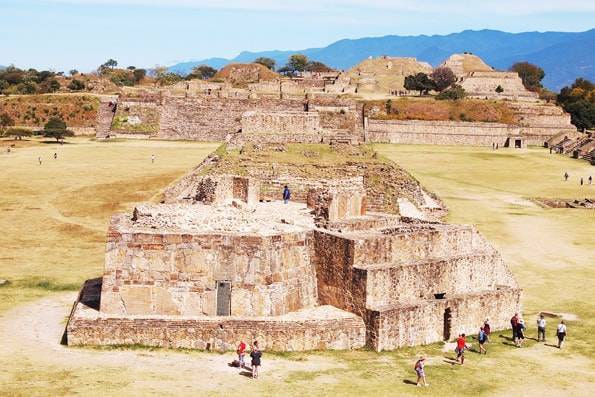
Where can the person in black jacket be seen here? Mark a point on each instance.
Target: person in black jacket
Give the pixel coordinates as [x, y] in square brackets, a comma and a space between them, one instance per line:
[256, 355]
[286, 194]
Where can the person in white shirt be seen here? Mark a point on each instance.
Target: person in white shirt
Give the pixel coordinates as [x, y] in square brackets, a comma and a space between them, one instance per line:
[541, 329]
[561, 333]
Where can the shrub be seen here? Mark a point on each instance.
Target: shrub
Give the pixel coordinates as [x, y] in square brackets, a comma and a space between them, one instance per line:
[76, 85]
[454, 93]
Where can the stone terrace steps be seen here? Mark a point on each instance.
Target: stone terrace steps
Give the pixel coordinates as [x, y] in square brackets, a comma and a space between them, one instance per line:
[479, 254]
[105, 117]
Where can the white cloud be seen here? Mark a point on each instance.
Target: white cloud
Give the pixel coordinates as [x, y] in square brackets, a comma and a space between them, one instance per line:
[461, 7]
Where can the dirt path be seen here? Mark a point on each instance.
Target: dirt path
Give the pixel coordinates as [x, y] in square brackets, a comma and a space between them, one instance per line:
[31, 334]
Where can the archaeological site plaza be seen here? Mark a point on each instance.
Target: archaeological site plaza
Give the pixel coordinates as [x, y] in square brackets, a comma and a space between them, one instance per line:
[359, 257]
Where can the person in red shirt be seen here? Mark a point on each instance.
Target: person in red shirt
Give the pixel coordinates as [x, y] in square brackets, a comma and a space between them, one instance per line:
[461, 346]
[241, 353]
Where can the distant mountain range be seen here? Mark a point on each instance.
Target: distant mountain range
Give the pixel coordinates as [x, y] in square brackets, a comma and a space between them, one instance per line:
[563, 56]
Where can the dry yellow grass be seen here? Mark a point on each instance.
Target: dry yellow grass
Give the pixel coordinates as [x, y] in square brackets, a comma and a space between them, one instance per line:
[550, 252]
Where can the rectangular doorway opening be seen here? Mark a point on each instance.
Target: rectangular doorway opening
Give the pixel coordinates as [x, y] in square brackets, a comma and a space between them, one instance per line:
[518, 143]
[447, 323]
[224, 298]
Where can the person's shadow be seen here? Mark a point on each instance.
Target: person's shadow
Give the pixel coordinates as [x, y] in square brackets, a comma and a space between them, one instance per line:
[247, 374]
[550, 345]
[409, 382]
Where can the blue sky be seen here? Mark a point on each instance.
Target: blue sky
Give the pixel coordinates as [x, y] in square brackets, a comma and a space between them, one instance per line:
[81, 34]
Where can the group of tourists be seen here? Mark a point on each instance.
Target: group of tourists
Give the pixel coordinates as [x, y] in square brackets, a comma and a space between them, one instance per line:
[518, 330]
[582, 180]
[255, 355]
[483, 337]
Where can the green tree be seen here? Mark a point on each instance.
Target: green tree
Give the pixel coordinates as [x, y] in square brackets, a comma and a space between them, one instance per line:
[18, 133]
[499, 89]
[110, 63]
[5, 122]
[530, 74]
[139, 74]
[420, 82]
[52, 85]
[579, 101]
[76, 85]
[27, 87]
[203, 72]
[267, 62]
[315, 66]
[454, 93]
[56, 128]
[443, 78]
[297, 63]
[73, 72]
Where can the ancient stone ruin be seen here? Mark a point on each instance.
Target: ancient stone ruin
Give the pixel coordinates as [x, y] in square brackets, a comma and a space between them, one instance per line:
[357, 258]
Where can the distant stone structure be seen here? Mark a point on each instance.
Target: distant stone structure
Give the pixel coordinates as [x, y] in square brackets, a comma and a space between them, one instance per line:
[249, 97]
[216, 263]
[481, 81]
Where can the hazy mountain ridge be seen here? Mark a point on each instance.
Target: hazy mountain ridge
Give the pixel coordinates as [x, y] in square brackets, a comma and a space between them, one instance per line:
[564, 56]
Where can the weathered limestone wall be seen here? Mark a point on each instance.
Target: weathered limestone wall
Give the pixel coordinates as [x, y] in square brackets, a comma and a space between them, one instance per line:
[222, 189]
[212, 119]
[484, 84]
[410, 244]
[333, 205]
[539, 122]
[391, 285]
[439, 132]
[255, 122]
[322, 327]
[422, 323]
[172, 273]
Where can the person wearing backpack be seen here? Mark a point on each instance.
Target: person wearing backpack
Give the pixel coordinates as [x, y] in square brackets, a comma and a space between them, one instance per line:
[482, 338]
[419, 370]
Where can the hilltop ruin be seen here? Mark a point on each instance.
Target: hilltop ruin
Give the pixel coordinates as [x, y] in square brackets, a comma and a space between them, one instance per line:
[359, 257]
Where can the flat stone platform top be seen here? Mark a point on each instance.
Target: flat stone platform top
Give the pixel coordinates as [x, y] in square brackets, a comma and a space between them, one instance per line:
[263, 219]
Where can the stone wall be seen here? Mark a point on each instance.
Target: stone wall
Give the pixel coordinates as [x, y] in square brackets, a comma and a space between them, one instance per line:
[173, 273]
[212, 119]
[424, 322]
[484, 84]
[319, 328]
[282, 123]
[331, 205]
[439, 132]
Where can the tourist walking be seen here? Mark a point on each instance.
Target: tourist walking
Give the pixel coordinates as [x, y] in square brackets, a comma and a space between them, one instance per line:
[590, 179]
[241, 350]
[520, 333]
[513, 323]
[460, 349]
[421, 373]
[566, 176]
[482, 339]
[581, 181]
[487, 329]
[561, 332]
[255, 355]
[286, 194]
[55, 156]
[152, 158]
[39, 159]
[541, 328]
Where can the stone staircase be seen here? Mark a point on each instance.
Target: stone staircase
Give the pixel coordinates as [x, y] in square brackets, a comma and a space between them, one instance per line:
[105, 117]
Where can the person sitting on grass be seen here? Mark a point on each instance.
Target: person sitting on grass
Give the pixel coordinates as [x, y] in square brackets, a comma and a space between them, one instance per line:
[419, 370]
[460, 349]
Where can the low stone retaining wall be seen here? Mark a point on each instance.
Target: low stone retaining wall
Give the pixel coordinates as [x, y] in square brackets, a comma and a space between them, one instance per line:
[323, 327]
[424, 323]
[439, 132]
